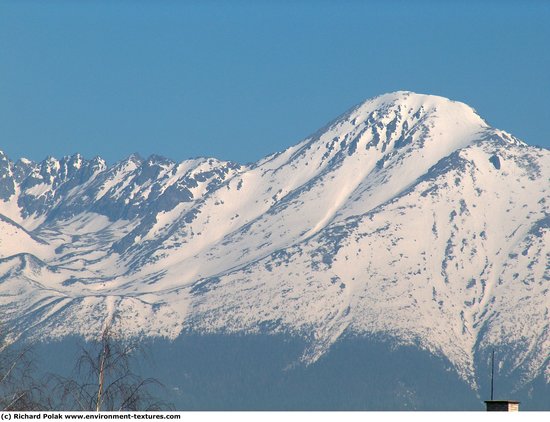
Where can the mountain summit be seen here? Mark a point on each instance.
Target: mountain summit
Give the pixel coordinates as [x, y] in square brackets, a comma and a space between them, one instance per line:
[408, 217]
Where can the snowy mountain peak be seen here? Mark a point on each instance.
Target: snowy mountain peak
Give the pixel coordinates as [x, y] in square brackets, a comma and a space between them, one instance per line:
[134, 158]
[391, 126]
[405, 111]
[407, 100]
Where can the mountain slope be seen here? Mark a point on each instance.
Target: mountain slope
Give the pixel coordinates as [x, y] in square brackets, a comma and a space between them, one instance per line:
[407, 217]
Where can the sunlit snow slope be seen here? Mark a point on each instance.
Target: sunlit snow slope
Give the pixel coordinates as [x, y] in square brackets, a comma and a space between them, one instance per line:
[408, 217]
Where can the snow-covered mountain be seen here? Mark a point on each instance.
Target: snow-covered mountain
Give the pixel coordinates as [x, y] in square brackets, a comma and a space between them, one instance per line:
[407, 217]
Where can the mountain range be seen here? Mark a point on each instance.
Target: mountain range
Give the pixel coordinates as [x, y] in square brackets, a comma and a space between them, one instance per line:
[408, 218]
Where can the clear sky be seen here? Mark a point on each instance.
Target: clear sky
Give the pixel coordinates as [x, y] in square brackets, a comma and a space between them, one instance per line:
[238, 80]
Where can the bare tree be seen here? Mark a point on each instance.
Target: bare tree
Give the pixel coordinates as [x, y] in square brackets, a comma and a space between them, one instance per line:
[18, 388]
[103, 380]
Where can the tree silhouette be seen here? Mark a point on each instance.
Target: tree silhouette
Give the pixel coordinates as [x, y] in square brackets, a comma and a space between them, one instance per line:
[103, 380]
[18, 388]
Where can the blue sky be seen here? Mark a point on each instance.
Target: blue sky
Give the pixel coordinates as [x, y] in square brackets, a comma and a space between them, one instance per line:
[241, 79]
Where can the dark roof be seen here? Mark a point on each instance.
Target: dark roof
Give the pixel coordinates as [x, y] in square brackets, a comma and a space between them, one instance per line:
[502, 401]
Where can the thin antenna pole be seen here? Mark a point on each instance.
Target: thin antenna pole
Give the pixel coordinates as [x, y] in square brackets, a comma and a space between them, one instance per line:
[492, 372]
